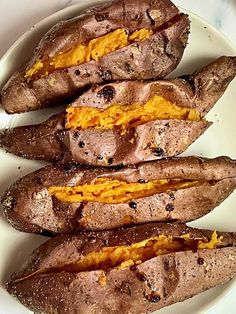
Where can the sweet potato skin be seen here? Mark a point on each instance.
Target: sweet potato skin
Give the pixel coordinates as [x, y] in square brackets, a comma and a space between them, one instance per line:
[29, 207]
[150, 141]
[167, 280]
[156, 283]
[161, 138]
[151, 58]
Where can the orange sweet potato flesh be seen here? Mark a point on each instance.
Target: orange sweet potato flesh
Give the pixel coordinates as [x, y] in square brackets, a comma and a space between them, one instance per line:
[123, 117]
[93, 50]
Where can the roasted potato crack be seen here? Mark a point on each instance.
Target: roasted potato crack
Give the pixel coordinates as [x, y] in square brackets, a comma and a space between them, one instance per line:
[94, 50]
[125, 256]
[106, 190]
[125, 117]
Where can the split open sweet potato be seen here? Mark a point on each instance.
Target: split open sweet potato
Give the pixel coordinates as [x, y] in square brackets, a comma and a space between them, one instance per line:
[66, 199]
[122, 40]
[127, 122]
[133, 270]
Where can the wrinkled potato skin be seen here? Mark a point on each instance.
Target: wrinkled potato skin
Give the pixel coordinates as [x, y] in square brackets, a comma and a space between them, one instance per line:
[154, 57]
[28, 206]
[49, 140]
[156, 283]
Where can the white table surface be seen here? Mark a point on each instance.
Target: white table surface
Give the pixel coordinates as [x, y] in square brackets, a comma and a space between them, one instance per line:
[17, 16]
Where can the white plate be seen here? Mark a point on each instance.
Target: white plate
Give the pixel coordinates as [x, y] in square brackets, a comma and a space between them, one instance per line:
[205, 44]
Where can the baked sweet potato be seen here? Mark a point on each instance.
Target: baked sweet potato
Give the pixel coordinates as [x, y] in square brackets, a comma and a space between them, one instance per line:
[134, 270]
[62, 199]
[123, 40]
[127, 122]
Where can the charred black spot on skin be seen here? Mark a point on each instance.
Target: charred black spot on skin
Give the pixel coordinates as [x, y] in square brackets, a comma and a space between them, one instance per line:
[128, 68]
[171, 195]
[105, 75]
[86, 75]
[153, 297]
[133, 205]
[91, 239]
[159, 152]
[170, 207]
[124, 288]
[76, 134]
[141, 181]
[189, 80]
[200, 261]
[110, 161]
[133, 268]
[81, 144]
[105, 242]
[36, 50]
[22, 154]
[141, 276]
[107, 92]
[99, 17]
[77, 72]
[99, 157]
[137, 18]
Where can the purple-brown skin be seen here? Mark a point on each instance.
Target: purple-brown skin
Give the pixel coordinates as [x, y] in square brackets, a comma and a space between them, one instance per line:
[161, 138]
[29, 207]
[154, 57]
[43, 286]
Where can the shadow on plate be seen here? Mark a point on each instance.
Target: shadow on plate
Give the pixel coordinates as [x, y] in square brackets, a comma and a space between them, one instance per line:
[19, 254]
